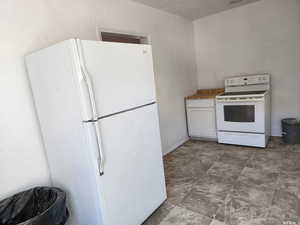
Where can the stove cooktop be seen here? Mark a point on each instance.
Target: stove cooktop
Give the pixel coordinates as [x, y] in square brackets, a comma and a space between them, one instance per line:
[243, 93]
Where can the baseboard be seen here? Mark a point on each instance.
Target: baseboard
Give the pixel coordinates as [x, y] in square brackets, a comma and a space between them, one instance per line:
[175, 146]
[204, 139]
[276, 135]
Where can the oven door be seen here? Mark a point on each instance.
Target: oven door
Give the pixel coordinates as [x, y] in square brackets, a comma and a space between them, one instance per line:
[241, 115]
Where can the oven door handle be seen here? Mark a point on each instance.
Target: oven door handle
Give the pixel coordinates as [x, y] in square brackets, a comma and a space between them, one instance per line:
[238, 100]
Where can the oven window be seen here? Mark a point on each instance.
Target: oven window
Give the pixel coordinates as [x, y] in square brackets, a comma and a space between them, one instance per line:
[239, 113]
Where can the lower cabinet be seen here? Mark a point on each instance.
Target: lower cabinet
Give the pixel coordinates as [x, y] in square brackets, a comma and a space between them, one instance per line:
[201, 118]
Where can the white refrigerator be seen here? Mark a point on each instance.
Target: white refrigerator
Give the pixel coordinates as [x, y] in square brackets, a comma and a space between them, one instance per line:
[97, 111]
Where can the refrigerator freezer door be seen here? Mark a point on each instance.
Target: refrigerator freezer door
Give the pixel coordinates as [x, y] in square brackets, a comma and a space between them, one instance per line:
[122, 75]
[133, 184]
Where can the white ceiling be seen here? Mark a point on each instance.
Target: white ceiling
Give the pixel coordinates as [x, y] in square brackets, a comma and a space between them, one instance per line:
[194, 9]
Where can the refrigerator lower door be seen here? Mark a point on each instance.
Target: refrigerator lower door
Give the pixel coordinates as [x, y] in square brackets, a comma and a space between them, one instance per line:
[133, 184]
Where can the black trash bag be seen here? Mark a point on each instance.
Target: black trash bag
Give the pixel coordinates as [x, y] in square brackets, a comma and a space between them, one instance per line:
[37, 206]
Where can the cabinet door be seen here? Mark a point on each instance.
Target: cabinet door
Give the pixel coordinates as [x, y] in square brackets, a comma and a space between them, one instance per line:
[201, 122]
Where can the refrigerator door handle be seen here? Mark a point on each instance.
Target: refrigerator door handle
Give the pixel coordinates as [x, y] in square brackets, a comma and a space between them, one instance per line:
[94, 119]
[88, 81]
[99, 145]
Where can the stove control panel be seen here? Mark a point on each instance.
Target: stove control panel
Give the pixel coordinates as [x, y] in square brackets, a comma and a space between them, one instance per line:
[259, 79]
[256, 82]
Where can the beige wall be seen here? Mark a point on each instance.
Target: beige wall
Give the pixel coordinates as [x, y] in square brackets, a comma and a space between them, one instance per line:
[259, 37]
[33, 24]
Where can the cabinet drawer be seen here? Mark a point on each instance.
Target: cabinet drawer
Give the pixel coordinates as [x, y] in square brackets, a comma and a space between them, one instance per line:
[203, 103]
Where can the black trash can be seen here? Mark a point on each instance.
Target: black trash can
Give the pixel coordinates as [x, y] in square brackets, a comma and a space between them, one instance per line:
[37, 206]
[291, 130]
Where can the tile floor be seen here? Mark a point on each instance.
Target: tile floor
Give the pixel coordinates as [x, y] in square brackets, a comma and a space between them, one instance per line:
[214, 184]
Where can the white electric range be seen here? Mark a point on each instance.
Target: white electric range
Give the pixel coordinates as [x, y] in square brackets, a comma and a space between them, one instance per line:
[243, 111]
